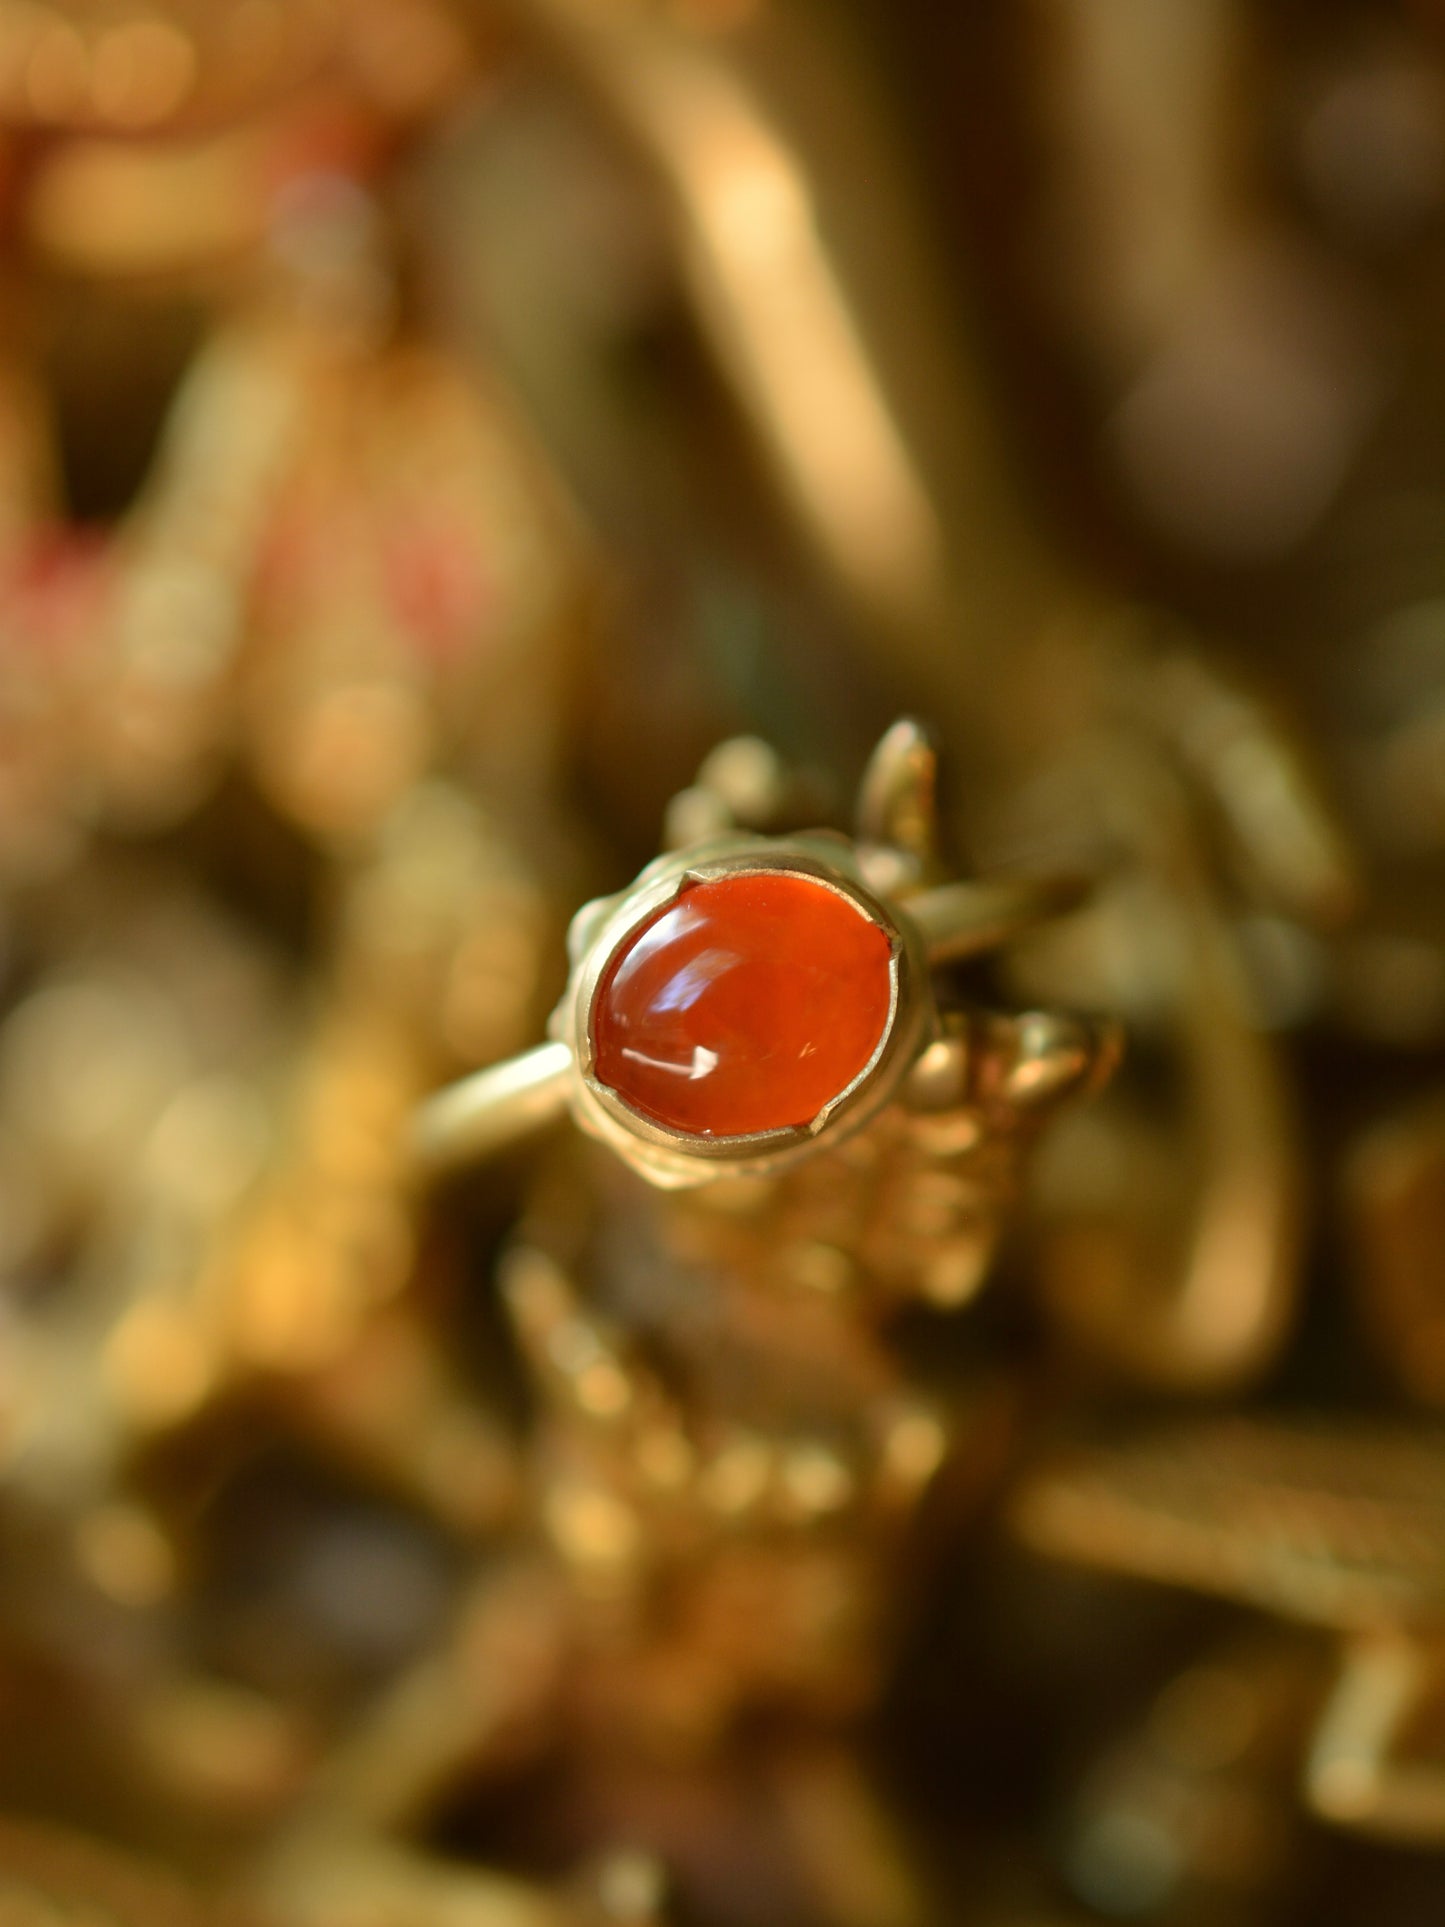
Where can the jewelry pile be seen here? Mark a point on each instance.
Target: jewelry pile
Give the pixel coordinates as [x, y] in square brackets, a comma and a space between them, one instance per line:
[887, 1371]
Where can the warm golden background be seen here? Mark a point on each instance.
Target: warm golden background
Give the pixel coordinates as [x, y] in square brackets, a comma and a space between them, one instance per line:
[427, 430]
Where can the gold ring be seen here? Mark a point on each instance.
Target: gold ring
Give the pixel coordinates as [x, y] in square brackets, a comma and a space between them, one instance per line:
[745, 1001]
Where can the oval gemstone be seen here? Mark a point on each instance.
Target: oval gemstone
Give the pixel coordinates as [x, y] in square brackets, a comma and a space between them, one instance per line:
[747, 1004]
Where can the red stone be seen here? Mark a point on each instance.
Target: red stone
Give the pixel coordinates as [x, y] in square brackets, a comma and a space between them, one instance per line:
[747, 1004]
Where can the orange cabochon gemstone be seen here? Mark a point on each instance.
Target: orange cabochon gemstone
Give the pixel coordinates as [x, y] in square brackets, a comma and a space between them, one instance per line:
[747, 1004]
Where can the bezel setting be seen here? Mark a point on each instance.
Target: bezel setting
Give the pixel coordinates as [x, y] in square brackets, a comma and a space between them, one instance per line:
[601, 930]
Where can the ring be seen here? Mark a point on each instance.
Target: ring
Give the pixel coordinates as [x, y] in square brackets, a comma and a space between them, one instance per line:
[748, 999]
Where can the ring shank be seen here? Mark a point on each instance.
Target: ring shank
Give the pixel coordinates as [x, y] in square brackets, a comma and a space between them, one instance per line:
[483, 1114]
[962, 920]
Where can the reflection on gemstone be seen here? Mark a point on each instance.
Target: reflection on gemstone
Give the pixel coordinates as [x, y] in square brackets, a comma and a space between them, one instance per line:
[747, 1004]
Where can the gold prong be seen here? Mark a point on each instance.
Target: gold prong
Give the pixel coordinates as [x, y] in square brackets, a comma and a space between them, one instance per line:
[898, 798]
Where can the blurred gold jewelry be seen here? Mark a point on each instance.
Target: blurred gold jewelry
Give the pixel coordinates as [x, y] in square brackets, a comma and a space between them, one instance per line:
[49, 1875]
[1395, 1193]
[1324, 1524]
